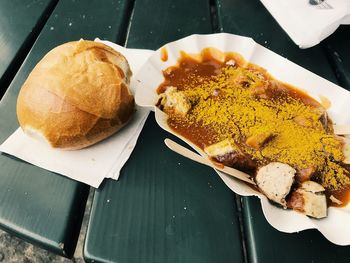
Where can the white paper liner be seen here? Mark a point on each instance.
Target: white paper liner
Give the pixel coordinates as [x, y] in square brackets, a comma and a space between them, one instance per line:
[335, 227]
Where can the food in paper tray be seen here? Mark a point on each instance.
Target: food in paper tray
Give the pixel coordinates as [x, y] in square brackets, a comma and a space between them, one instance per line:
[77, 95]
[244, 118]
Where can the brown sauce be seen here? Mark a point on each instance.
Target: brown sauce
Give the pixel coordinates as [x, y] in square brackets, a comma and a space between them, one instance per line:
[342, 195]
[164, 54]
[192, 70]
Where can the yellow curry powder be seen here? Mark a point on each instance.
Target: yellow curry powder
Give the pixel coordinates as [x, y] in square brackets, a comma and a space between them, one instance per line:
[227, 104]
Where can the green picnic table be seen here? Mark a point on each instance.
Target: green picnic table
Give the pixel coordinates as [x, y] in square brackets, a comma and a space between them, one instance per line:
[163, 208]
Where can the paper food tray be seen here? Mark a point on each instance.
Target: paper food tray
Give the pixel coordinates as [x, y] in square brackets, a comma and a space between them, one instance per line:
[335, 227]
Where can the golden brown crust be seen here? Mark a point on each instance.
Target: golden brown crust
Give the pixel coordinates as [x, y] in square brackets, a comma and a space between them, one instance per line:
[76, 95]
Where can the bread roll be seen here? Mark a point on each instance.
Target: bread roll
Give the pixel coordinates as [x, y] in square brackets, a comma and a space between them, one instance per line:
[76, 95]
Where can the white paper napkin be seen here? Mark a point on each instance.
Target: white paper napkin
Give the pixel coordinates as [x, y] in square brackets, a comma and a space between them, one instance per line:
[90, 165]
[306, 24]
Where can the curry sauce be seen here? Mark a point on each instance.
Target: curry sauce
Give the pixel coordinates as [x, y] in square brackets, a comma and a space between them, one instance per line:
[222, 99]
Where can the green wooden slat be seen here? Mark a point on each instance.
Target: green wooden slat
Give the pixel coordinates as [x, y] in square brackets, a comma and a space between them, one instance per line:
[155, 23]
[337, 46]
[270, 245]
[19, 22]
[164, 208]
[36, 204]
[264, 243]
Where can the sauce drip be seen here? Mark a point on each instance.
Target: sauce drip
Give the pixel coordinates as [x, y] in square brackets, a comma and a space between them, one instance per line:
[164, 54]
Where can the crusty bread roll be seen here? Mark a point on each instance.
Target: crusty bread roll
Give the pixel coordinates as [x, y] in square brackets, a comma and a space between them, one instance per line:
[76, 95]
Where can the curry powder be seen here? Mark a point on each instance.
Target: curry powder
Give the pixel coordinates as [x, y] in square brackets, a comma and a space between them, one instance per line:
[234, 105]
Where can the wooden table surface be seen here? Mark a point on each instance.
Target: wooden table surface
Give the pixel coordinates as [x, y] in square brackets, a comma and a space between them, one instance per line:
[164, 208]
